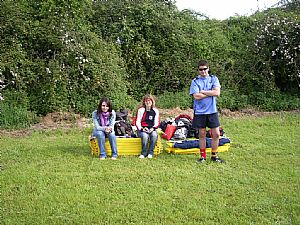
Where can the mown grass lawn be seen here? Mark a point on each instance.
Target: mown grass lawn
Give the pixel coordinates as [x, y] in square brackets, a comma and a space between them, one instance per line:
[51, 178]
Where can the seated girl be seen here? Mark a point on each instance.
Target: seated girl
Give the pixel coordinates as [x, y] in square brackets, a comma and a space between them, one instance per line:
[104, 120]
[147, 121]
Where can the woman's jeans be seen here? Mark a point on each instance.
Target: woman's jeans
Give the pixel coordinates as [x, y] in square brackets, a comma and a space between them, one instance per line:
[100, 135]
[145, 137]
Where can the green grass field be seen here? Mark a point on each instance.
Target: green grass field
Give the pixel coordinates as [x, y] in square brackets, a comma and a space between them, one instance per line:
[51, 178]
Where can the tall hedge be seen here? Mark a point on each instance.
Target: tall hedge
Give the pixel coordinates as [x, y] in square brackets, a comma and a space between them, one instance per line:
[48, 50]
[65, 55]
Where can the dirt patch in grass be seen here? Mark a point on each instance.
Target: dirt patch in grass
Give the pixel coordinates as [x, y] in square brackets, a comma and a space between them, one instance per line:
[65, 120]
[52, 121]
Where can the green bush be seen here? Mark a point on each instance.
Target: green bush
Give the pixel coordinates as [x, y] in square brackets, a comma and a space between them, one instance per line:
[178, 99]
[65, 56]
[277, 44]
[61, 64]
[228, 99]
[275, 101]
[14, 112]
[233, 100]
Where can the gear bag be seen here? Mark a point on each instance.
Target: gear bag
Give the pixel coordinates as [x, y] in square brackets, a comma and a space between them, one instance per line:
[123, 128]
[122, 115]
[181, 133]
[170, 130]
[163, 125]
[184, 121]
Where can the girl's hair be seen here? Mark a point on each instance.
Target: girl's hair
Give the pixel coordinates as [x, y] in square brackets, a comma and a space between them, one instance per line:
[148, 97]
[108, 102]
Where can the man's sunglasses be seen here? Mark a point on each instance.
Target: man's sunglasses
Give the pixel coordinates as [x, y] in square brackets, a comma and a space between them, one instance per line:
[202, 69]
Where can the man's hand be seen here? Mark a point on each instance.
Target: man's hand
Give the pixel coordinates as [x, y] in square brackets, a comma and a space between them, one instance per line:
[199, 96]
[213, 92]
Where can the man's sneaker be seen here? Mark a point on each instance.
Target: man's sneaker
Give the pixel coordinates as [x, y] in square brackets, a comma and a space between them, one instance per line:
[150, 156]
[201, 160]
[102, 158]
[142, 157]
[114, 158]
[217, 159]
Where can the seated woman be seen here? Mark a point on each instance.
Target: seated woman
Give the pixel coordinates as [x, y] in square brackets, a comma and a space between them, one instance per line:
[147, 121]
[104, 120]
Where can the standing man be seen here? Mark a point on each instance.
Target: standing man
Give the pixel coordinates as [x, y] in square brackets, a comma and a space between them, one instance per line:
[205, 89]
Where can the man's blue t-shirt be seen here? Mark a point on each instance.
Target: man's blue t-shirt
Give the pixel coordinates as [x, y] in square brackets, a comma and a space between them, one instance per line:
[207, 105]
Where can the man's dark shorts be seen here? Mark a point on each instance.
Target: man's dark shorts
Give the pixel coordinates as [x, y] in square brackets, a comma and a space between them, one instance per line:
[203, 121]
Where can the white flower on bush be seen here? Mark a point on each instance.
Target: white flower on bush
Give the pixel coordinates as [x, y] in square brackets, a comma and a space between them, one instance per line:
[48, 70]
[13, 73]
[280, 30]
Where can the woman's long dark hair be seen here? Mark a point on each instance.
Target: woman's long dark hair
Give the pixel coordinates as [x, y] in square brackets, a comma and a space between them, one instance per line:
[109, 104]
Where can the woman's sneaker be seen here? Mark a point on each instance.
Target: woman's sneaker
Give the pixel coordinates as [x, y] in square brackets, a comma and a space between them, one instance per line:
[142, 157]
[150, 156]
[217, 159]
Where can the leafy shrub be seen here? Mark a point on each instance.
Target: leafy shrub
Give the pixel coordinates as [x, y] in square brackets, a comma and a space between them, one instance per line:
[275, 101]
[66, 55]
[233, 100]
[228, 99]
[277, 44]
[178, 99]
[61, 64]
[14, 112]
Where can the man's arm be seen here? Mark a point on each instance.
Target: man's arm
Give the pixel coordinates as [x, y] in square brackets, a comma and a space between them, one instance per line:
[214, 92]
[199, 96]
